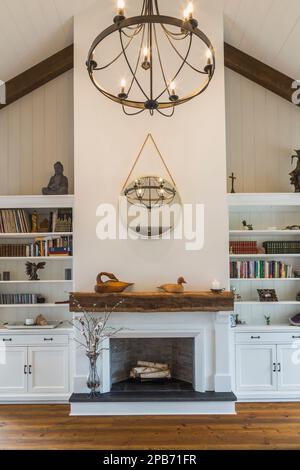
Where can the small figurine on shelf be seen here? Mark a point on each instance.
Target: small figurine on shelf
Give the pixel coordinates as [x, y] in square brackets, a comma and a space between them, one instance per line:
[247, 226]
[268, 320]
[295, 174]
[233, 179]
[237, 296]
[58, 183]
[32, 270]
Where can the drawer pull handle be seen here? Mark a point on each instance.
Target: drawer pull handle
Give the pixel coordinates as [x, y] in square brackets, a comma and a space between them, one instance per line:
[7, 340]
[25, 370]
[48, 339]
[255, 337]
[30, 372]
[274, 366]
[279, 367]
[296, 337]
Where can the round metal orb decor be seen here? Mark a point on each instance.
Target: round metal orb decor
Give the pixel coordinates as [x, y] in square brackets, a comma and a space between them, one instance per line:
[159, 56]
[150, 192]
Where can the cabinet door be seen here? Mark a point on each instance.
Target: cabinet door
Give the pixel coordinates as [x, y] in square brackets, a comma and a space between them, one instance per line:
[48, 370]
[288, 367]
[13, 370]
[256, 368]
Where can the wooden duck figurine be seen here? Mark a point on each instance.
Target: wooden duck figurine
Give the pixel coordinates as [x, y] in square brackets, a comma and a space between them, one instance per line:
[113, 285]
[174, 288]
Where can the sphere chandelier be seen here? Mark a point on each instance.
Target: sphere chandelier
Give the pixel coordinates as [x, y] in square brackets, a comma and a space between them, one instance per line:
[157, 55]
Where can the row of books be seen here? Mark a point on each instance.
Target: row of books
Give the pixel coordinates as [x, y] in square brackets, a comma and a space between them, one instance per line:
[18, 299]
[22, 221]
[14, 221]
[44, 246]
[260, 270]
[282, 247]
[242, 247]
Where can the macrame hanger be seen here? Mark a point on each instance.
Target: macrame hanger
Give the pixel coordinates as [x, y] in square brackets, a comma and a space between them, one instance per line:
[149, 137]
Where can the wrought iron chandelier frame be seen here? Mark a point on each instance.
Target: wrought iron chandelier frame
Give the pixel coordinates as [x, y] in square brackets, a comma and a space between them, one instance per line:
[146, 24]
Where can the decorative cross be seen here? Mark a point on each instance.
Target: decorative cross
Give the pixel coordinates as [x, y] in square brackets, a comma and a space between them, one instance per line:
[232, 178]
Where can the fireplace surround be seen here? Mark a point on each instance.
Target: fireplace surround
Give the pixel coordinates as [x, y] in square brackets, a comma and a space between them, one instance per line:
[201, 339]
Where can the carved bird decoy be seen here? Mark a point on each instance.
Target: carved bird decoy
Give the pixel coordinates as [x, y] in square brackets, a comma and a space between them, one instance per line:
[174, 288]
[113, 285]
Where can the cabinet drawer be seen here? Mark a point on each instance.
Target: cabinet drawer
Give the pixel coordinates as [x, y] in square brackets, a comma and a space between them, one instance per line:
[25, 340]
[257, 338]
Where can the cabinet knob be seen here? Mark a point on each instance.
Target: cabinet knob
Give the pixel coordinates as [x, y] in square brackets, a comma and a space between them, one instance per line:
[255, 337]
[30, 372]
[25, 370]
[48, 339]
[7, 340]
[274, 366]
[279, 367]
[296, 337]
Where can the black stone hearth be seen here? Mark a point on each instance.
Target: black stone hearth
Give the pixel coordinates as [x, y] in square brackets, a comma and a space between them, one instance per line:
[171, 391]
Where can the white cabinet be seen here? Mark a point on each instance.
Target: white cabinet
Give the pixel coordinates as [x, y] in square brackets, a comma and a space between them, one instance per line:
[37, 371]
[255, 367]
[267, 366]
[288, 367]
[48, 370]
[13, 370]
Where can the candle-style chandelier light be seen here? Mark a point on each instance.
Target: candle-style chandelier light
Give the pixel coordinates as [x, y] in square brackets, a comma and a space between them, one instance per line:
[160, 56]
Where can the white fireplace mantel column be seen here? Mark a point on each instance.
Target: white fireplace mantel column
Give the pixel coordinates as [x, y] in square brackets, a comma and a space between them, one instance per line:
[223, 382]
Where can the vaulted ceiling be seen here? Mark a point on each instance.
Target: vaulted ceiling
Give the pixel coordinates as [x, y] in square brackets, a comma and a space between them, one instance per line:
[31, 30]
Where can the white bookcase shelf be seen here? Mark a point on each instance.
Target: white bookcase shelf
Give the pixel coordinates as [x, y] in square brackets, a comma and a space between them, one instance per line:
[264, 256]
[54, 287]
[265, 210]
[263, 199]
[35, 235]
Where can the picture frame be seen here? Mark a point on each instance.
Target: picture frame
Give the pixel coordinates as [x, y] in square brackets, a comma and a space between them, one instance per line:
[267, 295]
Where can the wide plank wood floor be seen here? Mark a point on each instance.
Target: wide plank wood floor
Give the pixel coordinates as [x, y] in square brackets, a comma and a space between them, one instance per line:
[256, 426]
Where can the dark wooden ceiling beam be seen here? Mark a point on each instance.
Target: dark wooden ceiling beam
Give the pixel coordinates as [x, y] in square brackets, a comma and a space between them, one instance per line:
[39, 75]
[258, 72]
[63, 61]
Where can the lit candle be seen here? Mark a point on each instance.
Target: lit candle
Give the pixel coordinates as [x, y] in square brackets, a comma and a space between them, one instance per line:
[216, 285]
[188, 12]
[209, 56]
[172, 88]
[123, 85]
[121, 7]
[145, 52]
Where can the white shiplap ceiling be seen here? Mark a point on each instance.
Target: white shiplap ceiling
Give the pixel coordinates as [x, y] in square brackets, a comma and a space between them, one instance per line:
[31, 30]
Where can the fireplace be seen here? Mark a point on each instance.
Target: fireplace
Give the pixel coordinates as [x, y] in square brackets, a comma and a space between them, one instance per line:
[177, 353]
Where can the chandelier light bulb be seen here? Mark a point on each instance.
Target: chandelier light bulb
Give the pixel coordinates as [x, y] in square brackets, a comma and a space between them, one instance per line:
[145, 51]
[120, 11]
[188, 12]
[121, 5]
[208, 56]
[172, 87]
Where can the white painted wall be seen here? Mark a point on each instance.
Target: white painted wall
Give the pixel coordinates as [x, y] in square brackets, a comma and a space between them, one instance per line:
[262, 131]
[35, 132]
[106, 144]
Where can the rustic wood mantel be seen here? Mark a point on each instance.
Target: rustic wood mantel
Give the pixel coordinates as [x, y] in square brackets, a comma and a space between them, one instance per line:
[152, 302]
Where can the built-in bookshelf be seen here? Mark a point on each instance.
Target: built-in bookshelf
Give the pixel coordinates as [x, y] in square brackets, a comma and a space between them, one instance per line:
[268, 268]
[35, 229]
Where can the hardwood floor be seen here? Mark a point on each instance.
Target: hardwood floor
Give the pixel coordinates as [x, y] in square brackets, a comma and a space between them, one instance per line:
[256, 426]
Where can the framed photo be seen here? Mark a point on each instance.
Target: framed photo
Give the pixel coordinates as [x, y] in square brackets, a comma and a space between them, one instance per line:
[267, 295]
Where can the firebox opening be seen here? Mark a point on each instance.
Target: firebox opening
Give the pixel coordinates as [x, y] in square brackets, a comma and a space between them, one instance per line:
[177, 353]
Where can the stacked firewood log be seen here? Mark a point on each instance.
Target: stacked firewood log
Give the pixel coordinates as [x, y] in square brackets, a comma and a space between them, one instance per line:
[147, 371]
